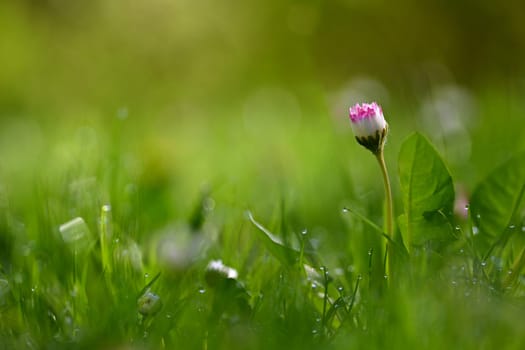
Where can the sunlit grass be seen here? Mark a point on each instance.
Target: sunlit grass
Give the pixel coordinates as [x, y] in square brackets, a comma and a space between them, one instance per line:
[108, 226]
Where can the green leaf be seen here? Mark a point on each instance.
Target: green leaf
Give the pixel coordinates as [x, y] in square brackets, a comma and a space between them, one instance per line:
[285, 254]
[428, 193]
[378, 230]
[496, 200]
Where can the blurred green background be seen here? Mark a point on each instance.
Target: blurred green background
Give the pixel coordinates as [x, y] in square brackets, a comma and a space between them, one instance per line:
[187, 58]
[256, 92]
[164, 109]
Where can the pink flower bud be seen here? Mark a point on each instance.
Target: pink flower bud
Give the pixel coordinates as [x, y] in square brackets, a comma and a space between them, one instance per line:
[369, 126]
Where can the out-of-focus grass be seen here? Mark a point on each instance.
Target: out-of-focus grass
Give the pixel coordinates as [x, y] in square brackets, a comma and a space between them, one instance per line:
[179, 189]
[181, 118]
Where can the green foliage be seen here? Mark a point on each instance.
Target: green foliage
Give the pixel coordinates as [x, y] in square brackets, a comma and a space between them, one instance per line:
[428, 193]
[286, 255]
[134, 136]
[107, 241]
[496, 202]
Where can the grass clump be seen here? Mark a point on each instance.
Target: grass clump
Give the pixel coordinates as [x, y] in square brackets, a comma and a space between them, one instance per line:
[109, 240]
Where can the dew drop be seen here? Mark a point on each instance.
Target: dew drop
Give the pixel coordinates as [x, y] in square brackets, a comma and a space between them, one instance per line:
[475, 230]
[483, 263]
[467, 207]
[359, 278]
[314, 331]
[304, 232]
[512, 227]
[149, 304]
[454, 283]
[52, 315]
[345, 210]
[385, 277]
[202, 290]
[340, 288]
[146, 275]
[370, 252]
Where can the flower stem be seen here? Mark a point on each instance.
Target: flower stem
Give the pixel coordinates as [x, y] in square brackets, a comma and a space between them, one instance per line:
[389, 210]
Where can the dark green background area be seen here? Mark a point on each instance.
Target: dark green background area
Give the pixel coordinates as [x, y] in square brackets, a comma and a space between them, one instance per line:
[190, 78]
[158, 55]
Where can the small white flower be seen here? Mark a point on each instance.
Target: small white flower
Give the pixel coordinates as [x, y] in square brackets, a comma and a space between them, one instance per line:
[217, 273]
[369, 126]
